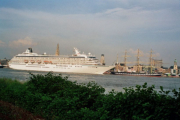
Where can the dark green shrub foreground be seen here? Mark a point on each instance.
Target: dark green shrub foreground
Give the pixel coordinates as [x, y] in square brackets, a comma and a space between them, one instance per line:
[55, 98]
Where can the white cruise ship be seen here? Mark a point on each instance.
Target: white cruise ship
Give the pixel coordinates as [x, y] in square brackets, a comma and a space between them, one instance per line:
[76, 63]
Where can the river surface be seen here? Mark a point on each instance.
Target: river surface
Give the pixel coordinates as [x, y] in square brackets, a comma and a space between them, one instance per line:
[109, 82]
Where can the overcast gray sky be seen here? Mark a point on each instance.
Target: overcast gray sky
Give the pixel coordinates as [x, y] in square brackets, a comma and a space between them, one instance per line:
[98, 26]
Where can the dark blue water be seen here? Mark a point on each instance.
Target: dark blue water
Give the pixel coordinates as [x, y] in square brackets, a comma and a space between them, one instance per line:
[109, 82]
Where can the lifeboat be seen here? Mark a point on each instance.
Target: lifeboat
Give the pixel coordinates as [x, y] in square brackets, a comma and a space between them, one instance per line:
[48, 62]
[39, 61]
[32, 61]
[26, 61]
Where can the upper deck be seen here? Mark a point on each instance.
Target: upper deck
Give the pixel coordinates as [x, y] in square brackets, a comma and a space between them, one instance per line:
[76, 58]
[29, 53]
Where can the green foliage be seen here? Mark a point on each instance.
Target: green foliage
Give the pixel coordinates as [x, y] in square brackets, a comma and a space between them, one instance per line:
[47, 84]
[54, 97]
[141, 103]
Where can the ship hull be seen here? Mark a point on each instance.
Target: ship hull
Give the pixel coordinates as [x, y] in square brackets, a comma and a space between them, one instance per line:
[136, 74]
[89, 69]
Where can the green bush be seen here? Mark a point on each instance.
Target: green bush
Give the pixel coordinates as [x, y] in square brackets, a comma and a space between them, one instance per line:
[54, 97]
[140, 103]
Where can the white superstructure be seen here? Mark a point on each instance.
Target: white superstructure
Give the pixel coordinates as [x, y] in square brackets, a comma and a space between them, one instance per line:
[77, 63]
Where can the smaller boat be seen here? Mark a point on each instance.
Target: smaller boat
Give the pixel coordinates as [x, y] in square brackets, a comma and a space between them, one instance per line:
[1, 66]
[167, 74]
[173, 74]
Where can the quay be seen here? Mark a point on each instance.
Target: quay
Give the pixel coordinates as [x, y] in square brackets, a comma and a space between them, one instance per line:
[153, 68]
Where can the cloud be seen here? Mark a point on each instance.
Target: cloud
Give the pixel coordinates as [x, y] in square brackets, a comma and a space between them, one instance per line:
[22, 42]
[120, 18]
[135, 52]
[108, 30]
[2, 44]
[108, 24]
[144, 54]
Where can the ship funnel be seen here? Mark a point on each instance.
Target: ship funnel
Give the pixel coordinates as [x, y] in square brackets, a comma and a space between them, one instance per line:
[102, 59]
[30, 50]
[57, 50]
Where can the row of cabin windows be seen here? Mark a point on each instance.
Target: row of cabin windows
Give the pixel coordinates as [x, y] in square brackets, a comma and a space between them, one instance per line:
[63, 60]
[66, 60]
[49, 58]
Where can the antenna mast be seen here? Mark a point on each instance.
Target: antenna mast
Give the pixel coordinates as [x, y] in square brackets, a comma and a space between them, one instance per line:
[125, 60]
[117, 60]
[150, 61]
[138, 69]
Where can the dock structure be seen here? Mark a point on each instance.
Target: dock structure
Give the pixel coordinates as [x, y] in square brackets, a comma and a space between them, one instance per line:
[150, 67]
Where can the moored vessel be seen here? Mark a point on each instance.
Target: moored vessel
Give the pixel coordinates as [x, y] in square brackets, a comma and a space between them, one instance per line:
[136, 74]
[76, 63]
[1, 66]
